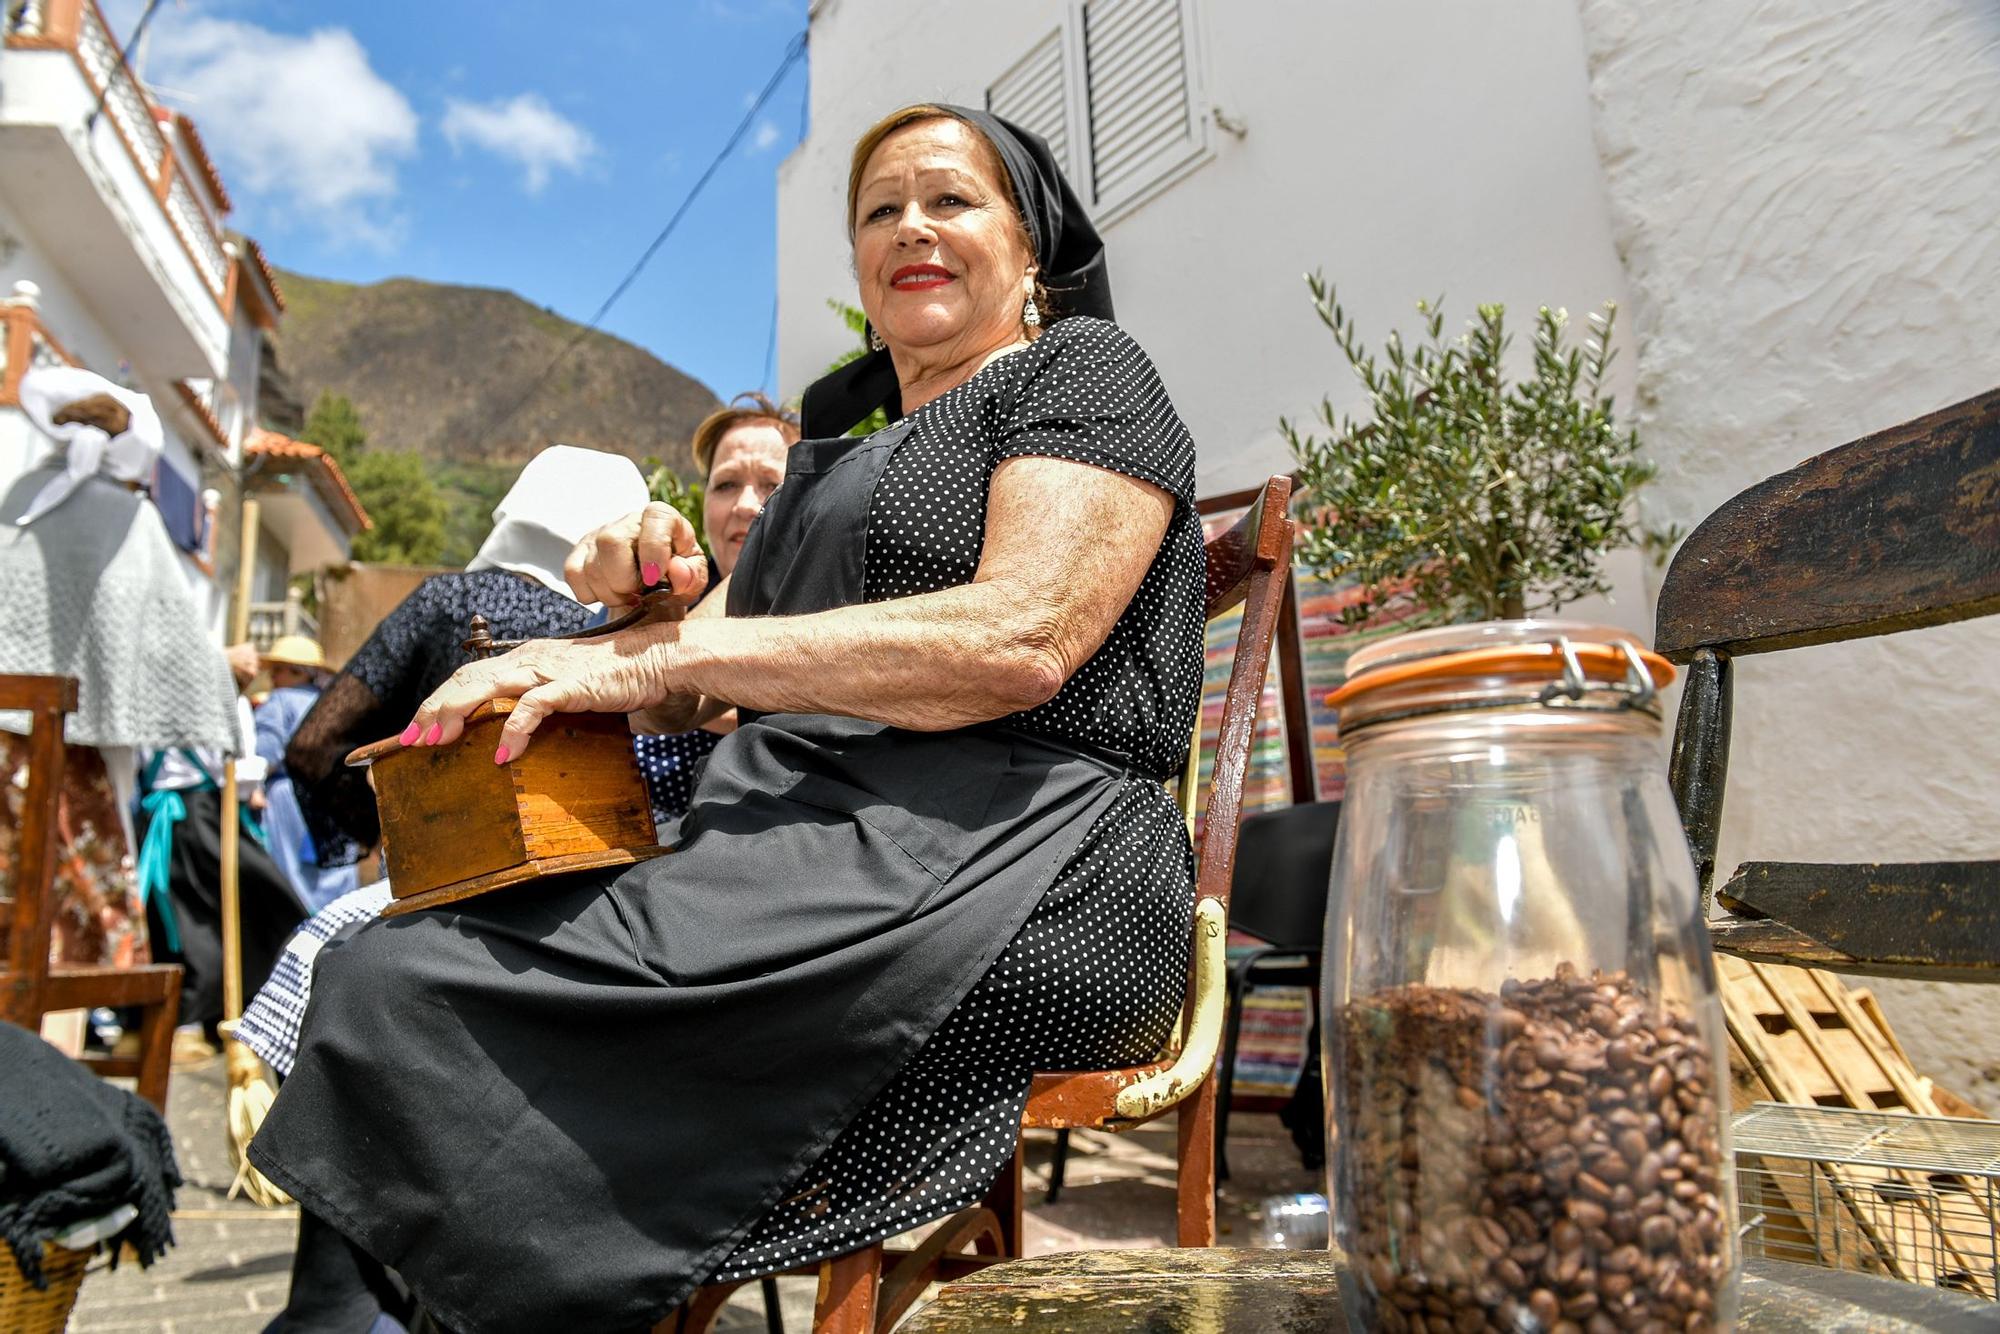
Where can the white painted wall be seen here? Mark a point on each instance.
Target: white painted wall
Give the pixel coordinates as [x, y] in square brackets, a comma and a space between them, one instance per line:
[1796, 203]
[1408, 150]
[1806, 198]
[64, 314]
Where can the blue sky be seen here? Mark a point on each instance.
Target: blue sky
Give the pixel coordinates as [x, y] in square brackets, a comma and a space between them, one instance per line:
[537, 147]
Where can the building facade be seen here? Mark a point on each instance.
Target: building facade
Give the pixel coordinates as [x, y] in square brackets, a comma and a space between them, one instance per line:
[115, 255]
[1793, 205]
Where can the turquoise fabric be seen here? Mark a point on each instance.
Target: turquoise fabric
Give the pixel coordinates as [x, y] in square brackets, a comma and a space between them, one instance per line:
[155, 854]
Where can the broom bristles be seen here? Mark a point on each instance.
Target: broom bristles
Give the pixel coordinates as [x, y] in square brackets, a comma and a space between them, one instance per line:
[250, 1099]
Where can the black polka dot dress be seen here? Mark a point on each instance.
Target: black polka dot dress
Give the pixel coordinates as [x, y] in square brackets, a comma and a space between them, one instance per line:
[1095, 979]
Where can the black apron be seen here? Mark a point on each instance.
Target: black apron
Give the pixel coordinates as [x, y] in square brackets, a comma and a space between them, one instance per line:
[564, 1108]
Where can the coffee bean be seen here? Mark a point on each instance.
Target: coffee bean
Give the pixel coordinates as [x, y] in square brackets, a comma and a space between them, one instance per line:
[1543, 1160]
[1658, 1232]
[1659, 1082]
[1545, 1307]
[1623, 1259]
[1589, 1213]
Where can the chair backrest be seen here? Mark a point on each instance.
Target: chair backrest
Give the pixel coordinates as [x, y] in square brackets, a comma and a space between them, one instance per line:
[25, 906]
[1284, 868]
[1247, 566]
[1894, 531]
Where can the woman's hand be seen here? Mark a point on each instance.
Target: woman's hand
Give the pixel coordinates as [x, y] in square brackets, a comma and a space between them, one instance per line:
[653, 548]
[621, 673]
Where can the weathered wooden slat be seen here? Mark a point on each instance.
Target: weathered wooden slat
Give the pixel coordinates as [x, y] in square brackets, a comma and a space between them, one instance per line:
[1936, 920]
[1896, 530]
[1699, 770]
[1293, 1292]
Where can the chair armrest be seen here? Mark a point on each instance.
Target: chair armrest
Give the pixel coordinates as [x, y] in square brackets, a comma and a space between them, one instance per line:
[1156, 1093]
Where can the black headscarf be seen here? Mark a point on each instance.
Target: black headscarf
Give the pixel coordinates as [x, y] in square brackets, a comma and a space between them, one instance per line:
[1067, 251]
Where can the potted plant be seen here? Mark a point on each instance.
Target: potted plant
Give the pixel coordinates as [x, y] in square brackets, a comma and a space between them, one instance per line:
[1460, 495]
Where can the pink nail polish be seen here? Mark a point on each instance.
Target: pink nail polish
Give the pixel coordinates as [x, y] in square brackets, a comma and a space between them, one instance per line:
[650, 572]
[502, 755]
[432, 737]
[410, 734]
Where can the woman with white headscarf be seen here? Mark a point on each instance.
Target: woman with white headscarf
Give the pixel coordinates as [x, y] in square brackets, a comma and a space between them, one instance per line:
[91, 587]
[515, 582]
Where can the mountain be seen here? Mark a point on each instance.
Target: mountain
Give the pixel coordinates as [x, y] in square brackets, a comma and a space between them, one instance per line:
[435, 368]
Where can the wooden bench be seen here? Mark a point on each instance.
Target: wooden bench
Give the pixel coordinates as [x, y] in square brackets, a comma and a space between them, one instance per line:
[1297, 1292]
[1895, 531]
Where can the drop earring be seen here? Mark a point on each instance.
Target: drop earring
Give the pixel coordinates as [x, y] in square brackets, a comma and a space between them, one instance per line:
[1031, 314]
[875, 340]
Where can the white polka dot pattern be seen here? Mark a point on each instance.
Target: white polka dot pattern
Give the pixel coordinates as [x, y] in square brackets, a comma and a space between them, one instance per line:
[1093, 981]
[1083, 391]
[669, 764]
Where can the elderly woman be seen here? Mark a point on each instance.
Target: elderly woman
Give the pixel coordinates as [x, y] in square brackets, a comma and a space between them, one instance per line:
[515, 583]
[936, 854]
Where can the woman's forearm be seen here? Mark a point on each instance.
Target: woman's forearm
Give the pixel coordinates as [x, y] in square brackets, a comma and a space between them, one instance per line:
[940, 660]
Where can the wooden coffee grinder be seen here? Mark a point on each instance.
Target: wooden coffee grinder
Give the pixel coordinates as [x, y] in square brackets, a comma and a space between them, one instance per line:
[455, 824]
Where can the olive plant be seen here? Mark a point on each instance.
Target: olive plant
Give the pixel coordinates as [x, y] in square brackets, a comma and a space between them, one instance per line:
[1460, 495]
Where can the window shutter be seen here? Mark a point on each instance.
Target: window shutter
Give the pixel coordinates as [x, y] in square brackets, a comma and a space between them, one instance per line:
[1033, 96]
[1141, 120]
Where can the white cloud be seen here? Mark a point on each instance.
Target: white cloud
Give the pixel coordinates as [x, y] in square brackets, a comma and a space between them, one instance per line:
[764, 135]
[525, 129]
[303, 123]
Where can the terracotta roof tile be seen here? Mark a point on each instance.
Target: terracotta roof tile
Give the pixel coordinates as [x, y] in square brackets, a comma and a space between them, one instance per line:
[199, 151]
[256, 252]
[332, 482]
[203, 413]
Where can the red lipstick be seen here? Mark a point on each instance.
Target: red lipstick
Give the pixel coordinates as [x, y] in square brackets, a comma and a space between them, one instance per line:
[919, 277]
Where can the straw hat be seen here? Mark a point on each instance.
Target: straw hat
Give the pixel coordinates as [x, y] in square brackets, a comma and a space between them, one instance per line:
[295, 651]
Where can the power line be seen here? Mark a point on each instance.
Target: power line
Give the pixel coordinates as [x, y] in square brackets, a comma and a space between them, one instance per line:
[794, 52]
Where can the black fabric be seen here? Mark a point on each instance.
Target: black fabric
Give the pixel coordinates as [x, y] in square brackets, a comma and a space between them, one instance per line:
[410, 654]
[270, 906]
[1284, 864]
[1068, 253]
[72, 1149]
[568, 1105]
[336, 1288]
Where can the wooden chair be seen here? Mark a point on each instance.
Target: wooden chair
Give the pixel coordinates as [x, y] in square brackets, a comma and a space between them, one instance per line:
[872, 1288]
[29, 986]
[1897, 530]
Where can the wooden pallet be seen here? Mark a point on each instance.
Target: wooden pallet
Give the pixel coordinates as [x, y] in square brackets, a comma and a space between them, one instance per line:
[1811, 1042]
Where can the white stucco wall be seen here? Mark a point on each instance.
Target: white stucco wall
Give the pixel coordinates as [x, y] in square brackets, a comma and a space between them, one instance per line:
[1408, 150]
[1806, 203]
[1806, 200]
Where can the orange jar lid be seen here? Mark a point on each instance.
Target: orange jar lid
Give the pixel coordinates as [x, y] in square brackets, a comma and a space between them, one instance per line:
[1500, 664]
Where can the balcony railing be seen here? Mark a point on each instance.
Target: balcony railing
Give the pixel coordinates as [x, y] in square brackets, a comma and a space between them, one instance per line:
[25, 343]
[79, 27]
[268, 620]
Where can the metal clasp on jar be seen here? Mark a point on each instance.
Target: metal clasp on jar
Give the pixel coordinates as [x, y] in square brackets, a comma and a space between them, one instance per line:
[1638, 688]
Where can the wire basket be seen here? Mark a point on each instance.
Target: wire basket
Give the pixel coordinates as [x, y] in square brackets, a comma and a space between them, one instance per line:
[1915, 1198]
[25, 1309]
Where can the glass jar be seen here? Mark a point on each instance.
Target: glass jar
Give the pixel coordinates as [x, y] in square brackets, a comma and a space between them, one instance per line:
[1524, 1046]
